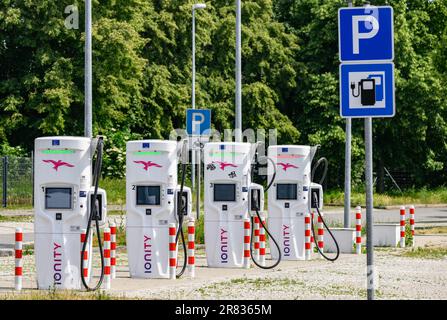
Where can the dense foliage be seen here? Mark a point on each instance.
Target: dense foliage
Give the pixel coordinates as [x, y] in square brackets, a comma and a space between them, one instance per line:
[142, 76]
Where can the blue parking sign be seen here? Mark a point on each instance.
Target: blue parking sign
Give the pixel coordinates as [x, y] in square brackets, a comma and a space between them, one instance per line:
[198, 121]
[366, 34]
[367, 90]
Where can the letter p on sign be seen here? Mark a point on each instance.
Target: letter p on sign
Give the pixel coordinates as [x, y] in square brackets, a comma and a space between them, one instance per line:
[198, 121]
[371, 23]
[366, 34]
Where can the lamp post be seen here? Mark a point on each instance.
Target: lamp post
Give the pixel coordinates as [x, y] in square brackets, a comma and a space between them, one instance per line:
[88, 70]
[238, 113]
[195, 7]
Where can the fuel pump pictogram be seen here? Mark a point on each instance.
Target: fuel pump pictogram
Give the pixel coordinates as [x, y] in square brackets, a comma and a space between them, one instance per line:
[366, 90]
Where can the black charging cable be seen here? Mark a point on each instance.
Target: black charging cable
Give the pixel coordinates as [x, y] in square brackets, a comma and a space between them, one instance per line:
[316, 201]
[181, 205]
[94, 216]
[263, 225]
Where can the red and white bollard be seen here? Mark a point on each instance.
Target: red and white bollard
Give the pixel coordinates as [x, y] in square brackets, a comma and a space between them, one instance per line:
[358, 230]
[320, 232]
[191, 248]
[107, 277]
[402, 227]
[256, 237]
[172, 252]
[412, 223]
[307, 231]
[18, 270]
[113, 250]
[84, 254]
[246, 243]
[262, 243]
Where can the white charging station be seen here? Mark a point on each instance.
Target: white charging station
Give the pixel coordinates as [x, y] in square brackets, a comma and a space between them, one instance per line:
[62, 189]
[227, 183]
[288, 198]
[151, 202]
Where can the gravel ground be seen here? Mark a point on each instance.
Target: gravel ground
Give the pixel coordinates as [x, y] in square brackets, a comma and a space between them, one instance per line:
[399, 278]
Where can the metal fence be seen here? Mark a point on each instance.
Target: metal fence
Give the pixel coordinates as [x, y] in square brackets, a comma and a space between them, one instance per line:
[16, 188]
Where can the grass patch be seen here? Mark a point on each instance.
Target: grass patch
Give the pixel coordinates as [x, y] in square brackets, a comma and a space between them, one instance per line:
[17, 218]
[426, 253]
[431, 230]
[116, 213]
[57, 295]
[263, 282]
[116, 190]
[413, 196]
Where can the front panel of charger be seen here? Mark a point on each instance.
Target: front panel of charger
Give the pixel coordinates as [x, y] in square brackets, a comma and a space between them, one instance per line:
[61, 187]
[227, 181]
[151, 182]
[288, 198]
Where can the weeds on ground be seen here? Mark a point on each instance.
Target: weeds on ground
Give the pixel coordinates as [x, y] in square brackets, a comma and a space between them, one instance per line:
[431, 230]
[426, 253]
[16, 218]
[53, 294]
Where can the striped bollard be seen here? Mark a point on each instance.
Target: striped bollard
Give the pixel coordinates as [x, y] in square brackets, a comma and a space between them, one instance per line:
[84, 254]
[307, 245]
[191, 247]
[412, 223]
[358, 230]
[402, 227]
[113, 250]
[246, 243]
[18, 270]
[256, 237]
[262, 243]
[172, 252]
[320, 232]
[107, 277]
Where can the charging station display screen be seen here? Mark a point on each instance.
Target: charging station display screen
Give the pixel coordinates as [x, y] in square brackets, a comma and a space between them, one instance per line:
[286, 191]
[224, 192]
[58, 198]
[148, 195]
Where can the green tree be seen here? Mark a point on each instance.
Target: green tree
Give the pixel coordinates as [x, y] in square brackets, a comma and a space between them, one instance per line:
[416, 135]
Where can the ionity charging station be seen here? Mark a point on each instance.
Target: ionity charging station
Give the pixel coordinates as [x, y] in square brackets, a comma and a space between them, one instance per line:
[227, 180]
[292, 196]
[65, 202]
[230, 199]
[153, 202]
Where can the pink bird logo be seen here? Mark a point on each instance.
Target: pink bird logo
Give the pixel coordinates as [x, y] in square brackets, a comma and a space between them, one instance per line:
[223, 165]
[147, 164]
[58, 163]
[286, 166]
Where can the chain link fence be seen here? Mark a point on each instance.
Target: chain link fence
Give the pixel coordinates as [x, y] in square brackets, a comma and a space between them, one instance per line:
[16, 187]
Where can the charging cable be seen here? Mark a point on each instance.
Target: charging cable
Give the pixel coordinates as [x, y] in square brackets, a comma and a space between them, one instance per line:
[94, 216]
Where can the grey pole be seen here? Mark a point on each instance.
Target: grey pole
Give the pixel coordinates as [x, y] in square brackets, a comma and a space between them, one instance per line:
[88, 70]
[199, 161]
[195, 158]
[369, 208]
[238, 124]
[347, 206]
[193, 93]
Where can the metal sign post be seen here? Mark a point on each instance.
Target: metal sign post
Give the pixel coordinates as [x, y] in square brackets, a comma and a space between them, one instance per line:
[198, 125]
[347, 202]
[366, 48]
[369, 209]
